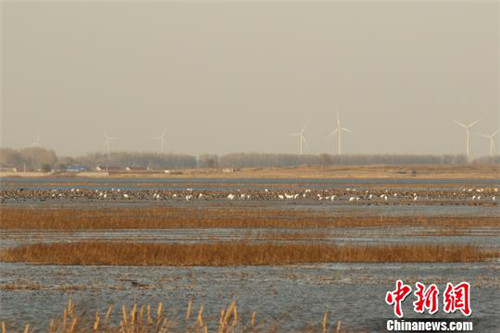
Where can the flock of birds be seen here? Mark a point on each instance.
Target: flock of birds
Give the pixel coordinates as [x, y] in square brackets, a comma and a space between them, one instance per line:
[350, 195]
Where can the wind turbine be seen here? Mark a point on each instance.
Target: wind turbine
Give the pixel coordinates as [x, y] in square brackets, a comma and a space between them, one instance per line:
[37, 143]
[107, 142]
[162, 140]
[302, 138]
[467, 134]
[338, 130]
[492, 141]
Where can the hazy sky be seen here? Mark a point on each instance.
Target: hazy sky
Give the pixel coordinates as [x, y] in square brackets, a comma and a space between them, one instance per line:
[230, 77]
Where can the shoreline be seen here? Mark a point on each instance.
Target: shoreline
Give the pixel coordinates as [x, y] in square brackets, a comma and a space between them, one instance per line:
[304, 172]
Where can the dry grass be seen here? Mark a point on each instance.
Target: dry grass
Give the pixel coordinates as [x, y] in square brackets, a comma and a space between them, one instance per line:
[154, 319]
[235, 253]
[179, 217]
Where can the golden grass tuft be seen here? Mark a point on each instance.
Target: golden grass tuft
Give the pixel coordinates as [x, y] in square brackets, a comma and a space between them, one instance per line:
[135, 322]
[236, 253]
[213, 217]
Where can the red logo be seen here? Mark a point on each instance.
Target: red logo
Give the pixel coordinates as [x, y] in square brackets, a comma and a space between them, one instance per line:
[397, 297]
[427, 298]
[457, 298]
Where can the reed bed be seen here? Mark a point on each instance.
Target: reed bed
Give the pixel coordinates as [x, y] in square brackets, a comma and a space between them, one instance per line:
[209, 217]
[236, 253]
[155, 319]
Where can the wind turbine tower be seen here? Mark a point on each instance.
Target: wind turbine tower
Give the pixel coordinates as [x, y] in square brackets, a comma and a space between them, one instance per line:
[162, 140]
[467, 135]
[492, 141]
[37, 143]
[107, 142]
[302, 138]
[338, 130]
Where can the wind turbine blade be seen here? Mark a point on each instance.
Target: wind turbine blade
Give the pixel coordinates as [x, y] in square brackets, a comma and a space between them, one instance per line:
[305, 141]
[295, 134]
[346, 130]
[164, 132]
[332, 134]
[304, 127]
[483, 135]
[494, 134]
[459, 123]
[473, 123]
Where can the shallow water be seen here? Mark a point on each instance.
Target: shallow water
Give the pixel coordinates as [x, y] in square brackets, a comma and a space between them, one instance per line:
[223, 184]
[353, 293]
[485, 237]
[294, 295]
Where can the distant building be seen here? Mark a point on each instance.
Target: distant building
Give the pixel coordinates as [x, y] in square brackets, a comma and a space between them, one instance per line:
[230, 170]
[77, 168]
[136, 169]
[8, 169]
[173, 172]
[103, 168]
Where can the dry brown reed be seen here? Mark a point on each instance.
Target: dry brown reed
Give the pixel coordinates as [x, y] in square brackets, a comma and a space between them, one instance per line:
[134, 321]
[236, 253]
[209, 217]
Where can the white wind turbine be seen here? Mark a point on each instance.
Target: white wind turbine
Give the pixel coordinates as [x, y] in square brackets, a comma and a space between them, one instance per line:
[338, 130]
[37, 143]
[492, 141]
[302, 138]
[107, 142]
[162, 140]
[467, 134]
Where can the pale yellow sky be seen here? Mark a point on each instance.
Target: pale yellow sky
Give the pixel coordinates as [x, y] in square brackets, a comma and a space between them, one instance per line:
[228, 77]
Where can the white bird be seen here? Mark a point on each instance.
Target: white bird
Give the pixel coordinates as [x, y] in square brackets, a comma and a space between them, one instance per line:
[231, 196]
[125, 195]
[351, 199]
[281, 196]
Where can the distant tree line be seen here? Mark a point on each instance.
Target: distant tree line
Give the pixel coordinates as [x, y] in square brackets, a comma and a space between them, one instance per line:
[138, 159]
[31, 158]
[240, 160]
[42, 159]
